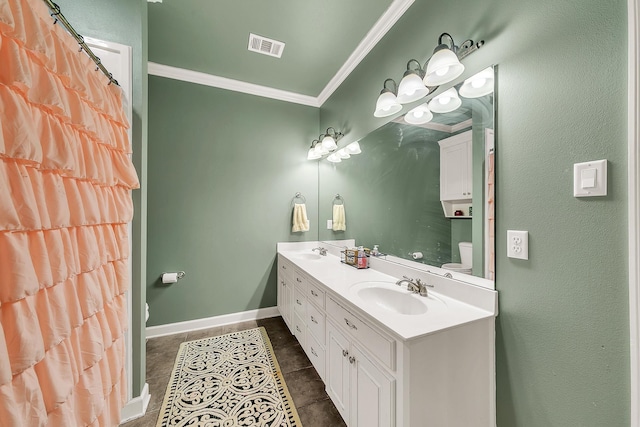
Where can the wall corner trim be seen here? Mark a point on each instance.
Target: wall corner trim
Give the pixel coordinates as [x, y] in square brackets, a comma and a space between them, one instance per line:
[375, 34]
[136, 407]
[210, 322]
[197, 77]
[633, 159]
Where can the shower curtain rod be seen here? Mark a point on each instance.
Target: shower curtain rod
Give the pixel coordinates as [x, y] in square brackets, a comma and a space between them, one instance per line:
[57, 15]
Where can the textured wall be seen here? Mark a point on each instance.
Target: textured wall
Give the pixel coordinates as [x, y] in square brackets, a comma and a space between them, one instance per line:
[562, 332]
[223, 170]
[125, 22]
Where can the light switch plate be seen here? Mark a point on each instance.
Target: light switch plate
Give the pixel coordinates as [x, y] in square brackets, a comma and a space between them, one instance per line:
[518, 244]
[329, 224]
[590, 179]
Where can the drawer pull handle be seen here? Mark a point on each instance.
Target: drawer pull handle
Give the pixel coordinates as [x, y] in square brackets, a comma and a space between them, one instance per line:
[313, 319]
[298, 328]
[349, 324]
[298, 280]
[352, 360]
[284, 266]
[314, 352]
[345, 353]
[298, 302]
[313, 293]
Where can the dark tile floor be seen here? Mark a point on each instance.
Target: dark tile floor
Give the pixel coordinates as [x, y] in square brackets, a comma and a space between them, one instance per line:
[304, 383]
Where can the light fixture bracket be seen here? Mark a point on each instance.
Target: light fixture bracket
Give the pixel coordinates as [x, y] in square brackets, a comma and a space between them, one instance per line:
[465, 49]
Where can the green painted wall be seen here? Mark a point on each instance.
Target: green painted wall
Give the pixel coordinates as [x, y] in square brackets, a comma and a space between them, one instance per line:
[125, 22]
[223, 170]
[562, 333]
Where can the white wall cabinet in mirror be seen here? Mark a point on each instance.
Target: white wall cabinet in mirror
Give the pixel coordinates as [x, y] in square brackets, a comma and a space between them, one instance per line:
[395, 189]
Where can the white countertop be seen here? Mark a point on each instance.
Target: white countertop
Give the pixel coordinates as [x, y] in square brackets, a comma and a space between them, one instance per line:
[449, 304]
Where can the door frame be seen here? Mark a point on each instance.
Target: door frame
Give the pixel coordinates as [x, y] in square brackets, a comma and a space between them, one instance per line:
[633, 160]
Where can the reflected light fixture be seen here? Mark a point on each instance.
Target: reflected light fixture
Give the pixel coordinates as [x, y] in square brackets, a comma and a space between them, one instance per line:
[444, 65]
[446, 102]
[411, 87]
[419, 115]
[478, 85]
[353, 148]
[330, 139]
[334, 158]
[343, 154]
[387, 103]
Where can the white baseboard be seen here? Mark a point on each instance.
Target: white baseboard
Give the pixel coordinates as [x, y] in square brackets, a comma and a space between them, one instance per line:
[136, 407]
[210, 322]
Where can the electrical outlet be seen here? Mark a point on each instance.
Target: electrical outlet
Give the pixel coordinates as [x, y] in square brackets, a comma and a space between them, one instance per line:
[518, 244]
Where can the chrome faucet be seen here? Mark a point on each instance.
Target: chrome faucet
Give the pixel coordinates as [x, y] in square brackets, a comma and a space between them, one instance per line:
[322, 251]
[416, 286]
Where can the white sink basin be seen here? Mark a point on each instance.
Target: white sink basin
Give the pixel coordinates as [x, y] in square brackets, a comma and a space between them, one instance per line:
[390, 297]
[309, 256]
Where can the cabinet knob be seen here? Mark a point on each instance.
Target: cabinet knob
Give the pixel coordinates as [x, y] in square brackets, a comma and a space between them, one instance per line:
[314, 352]
[352, 360]
[345, 353]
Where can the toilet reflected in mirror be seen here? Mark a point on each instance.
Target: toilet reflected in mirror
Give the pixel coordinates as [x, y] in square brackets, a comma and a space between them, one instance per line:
[466, 259]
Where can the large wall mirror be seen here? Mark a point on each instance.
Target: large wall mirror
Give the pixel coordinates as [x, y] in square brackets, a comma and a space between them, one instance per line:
[419, 190]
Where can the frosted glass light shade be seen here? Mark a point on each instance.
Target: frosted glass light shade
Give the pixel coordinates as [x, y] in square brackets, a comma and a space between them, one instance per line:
[328, 143]
[387, 104]
[320, 150]
[313, 154]
[343, 154]
[354, 148]
[334, 158]
[419, 115]
[446, 102]
[411, 88]
[478, 85]
[443, 67]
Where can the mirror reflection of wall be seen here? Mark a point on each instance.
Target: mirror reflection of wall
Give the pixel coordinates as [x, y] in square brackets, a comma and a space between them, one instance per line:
[392, 191]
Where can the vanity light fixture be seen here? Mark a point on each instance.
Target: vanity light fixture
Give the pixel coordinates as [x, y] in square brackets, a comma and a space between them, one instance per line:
[353, 148]
[343, 154]
[444, 65]
[478, 85]
[411, 86]
[330, 139]
[314, 153]
[334, 158]
[419, 115]
[387, 103]
[446, 102]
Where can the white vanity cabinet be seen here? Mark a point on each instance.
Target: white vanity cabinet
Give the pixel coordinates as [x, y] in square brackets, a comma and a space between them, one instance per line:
[285, 291]
[361, 391]
[456, 167]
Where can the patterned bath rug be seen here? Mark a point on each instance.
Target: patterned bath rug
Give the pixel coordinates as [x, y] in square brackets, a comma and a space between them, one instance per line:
[231, 380]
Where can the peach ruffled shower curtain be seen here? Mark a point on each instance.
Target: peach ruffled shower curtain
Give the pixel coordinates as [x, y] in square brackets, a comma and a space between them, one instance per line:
[65, 181]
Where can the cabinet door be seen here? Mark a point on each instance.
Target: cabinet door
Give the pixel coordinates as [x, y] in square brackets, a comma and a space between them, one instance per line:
[337, 372]
[285, 301]
[372, 393]
[456, 167]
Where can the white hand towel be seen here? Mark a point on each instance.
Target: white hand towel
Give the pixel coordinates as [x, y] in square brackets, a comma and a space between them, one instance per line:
[300, 221]
[339, 219]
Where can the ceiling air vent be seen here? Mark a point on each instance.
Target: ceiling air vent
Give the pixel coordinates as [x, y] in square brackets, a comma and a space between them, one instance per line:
[265, 46]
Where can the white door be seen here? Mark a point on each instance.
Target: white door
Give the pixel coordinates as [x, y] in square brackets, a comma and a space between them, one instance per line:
[116, 58]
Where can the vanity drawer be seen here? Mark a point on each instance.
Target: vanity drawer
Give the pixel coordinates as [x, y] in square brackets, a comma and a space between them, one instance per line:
[316, 354]
[315, 294]
[315, 322]
[299, 302]
[300, 280]
[285, 268]
[380, 346]
[299, 329]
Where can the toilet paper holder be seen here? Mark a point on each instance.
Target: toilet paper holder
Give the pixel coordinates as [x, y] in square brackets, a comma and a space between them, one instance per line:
[179, 274]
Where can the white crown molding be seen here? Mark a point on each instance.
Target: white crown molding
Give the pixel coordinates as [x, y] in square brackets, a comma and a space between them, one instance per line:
[384, 24]
[381, 27]
[197, 77]
[210, 322]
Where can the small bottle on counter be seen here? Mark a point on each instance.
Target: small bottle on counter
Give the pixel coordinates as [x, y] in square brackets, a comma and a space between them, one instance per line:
[375, 251]
[363, 261]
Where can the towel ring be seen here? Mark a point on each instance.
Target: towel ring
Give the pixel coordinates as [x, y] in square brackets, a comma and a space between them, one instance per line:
[338, 200]
[298, 198]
